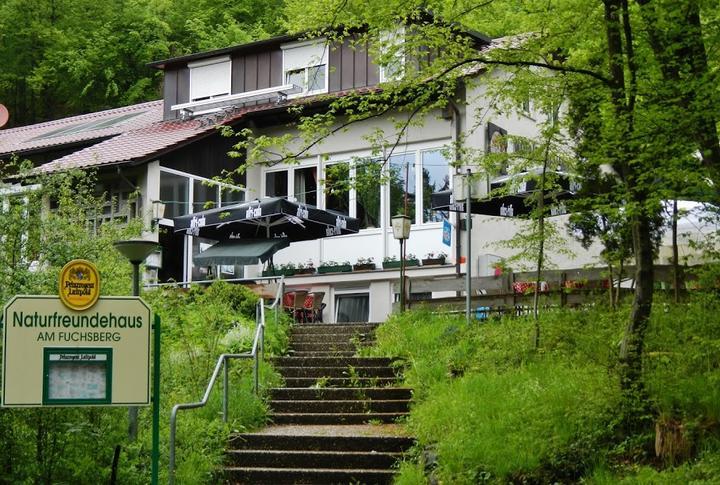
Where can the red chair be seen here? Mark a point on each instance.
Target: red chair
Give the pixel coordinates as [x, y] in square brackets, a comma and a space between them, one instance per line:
[294, 304]
[314, 306]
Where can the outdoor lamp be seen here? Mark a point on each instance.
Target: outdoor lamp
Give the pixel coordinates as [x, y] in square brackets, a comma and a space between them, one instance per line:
[401, 232]
[135, 250]
[401, 226]
[158, 212]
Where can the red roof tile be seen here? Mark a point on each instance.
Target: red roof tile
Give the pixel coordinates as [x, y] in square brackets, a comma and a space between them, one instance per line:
[79, 128]
[147, 142]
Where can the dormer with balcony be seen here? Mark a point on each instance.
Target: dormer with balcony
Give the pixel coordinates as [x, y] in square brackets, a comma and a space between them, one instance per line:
[272, 70]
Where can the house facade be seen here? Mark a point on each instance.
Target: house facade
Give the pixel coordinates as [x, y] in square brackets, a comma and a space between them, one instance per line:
[169, 154]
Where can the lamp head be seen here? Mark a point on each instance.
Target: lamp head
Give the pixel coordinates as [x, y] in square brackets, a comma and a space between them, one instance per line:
[135, 250]
[401, 226]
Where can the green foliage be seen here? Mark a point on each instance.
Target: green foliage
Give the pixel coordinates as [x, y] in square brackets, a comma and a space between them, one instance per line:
[64, 57]
[682, 361]
[491, 408]
[76, 445]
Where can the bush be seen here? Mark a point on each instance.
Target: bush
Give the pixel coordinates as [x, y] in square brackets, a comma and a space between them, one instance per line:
[490, 407]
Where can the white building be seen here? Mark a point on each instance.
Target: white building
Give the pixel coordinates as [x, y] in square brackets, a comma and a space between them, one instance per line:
[170, 150]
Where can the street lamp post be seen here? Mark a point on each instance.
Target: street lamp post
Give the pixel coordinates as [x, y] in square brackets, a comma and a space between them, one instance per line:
[136, 251]
[401, 232]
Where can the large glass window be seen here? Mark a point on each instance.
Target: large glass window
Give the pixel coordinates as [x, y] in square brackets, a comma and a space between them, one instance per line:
[276, 184]
[352, 308]
[205, 195]
[337, 187]
[401, 175]
[230, 196]
[174, 192]
[435, 177]
[306, 185]
[305, 65]
[368, 173]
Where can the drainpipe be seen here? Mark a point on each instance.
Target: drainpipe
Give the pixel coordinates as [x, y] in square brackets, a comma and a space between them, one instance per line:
[457, 130]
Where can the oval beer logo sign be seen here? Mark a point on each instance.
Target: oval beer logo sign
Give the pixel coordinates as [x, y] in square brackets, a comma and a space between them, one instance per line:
[79, 284]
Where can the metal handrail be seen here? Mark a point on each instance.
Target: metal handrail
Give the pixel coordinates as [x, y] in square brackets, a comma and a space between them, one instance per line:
[256, 353]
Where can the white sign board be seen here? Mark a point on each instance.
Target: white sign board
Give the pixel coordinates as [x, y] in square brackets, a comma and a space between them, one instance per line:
[53, 355]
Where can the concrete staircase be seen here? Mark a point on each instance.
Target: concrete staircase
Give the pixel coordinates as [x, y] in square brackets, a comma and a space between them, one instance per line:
[333, 419]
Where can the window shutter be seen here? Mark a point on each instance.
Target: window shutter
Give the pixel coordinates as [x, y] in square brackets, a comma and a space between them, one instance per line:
[209, 78]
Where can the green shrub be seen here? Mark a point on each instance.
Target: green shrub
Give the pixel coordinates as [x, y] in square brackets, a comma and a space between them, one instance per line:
[506, 425]
[493, 408]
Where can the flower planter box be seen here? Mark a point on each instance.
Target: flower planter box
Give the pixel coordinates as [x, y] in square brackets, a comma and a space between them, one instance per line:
[342, 268]
[305, 271]
[396, 264]
[433, 261]
[364, 267]
[280, 272]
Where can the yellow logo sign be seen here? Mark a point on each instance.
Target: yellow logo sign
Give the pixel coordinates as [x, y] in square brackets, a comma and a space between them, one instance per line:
[79, 284]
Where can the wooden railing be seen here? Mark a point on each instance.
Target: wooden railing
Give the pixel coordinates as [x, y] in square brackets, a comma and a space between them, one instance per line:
[513, 292]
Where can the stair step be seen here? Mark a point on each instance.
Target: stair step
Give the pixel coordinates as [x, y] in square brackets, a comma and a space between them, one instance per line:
[312, 459]
[341, 406]
[336, 393]
[305, 328]
[332, 361]
[349, 372]
[320, 382]
[334, 418]
[287, 476]
[249, 441]
[321, 353]
[332, 338]
[327, 346]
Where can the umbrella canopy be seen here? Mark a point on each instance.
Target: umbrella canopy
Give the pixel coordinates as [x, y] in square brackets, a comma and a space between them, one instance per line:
[509, 205]
[269, 218]
[240, 251]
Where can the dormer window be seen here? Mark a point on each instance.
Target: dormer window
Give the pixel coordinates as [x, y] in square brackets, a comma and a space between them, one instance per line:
[210, 78]
[305, 65]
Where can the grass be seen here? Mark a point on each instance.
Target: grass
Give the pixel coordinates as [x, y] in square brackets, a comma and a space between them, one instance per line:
[491, 408]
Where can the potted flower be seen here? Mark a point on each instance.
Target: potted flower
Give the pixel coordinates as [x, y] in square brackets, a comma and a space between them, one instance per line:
[364, 264]
[334, 267]
[306, 268]
[287, 269]
[434, 258]
[392, 262]
[500, 267]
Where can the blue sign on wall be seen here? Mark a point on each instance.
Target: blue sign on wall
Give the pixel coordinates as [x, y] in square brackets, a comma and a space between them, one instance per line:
[447, 232]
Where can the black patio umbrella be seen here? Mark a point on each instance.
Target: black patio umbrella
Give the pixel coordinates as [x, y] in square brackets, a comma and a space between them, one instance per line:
[514, 204]
[241, 251]
[274, 217]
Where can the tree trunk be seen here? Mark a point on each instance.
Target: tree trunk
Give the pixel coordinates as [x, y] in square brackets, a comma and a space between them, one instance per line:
[541, 248]
[611, 285]
[633, 341]
[675, 256]
[621, 268]
[682, 57]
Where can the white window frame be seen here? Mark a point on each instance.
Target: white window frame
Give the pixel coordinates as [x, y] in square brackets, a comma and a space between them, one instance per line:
[312, 61]
[394, 39]
[187, 254]
[351, 292]
[223, 64]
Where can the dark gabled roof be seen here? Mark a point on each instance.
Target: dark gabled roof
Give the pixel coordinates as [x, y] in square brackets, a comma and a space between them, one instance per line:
[235, 49]
[270, 43]
[79, 129]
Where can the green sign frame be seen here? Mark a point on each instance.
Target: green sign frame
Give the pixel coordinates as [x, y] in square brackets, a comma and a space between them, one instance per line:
[48, 362]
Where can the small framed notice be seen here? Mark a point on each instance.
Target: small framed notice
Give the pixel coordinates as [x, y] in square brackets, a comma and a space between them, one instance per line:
[77, 376]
